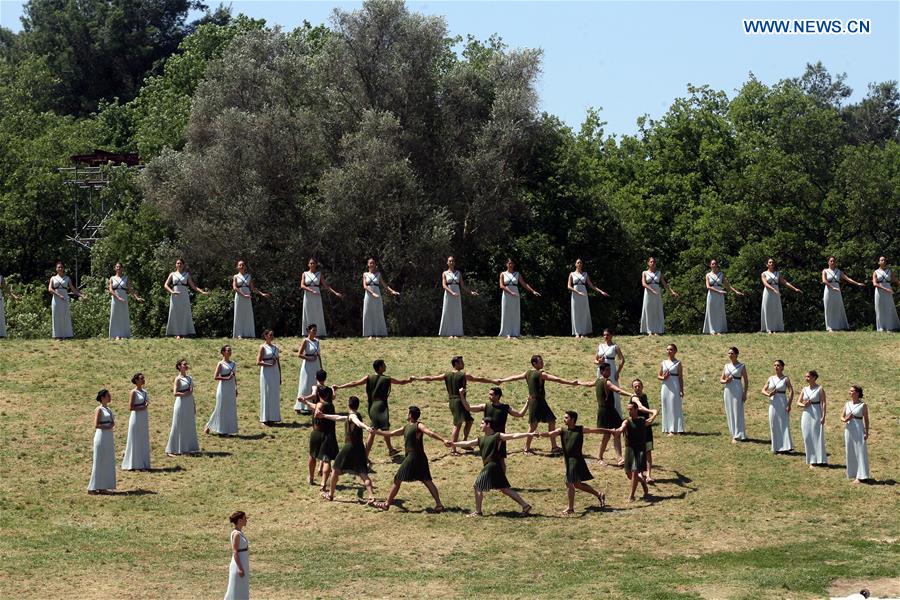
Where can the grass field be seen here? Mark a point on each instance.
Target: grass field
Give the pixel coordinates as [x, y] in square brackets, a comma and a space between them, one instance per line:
[727, 521]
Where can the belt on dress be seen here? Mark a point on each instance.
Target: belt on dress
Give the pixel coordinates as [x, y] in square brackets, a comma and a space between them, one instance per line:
[243, 549]
[855, 417]
[819, 402]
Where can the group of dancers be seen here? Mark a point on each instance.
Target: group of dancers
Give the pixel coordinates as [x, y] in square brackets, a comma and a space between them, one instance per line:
[179, 283]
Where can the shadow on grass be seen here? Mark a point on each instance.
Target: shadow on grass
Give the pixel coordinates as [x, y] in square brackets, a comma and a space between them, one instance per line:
[679, 480]
[880, 482]
[205, 453]
[790, 453]
[831, 466]
[756, 441]
[698, 434]
[174, 469]
[252, 436]
[137, 492]
[288, 425]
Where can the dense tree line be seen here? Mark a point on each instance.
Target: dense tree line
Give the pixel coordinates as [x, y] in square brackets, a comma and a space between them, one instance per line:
[382, 135]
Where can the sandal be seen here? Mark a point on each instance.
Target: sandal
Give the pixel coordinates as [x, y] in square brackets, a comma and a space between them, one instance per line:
[327, 496]
[474, 513]
[439, 508]
[602, 499]
[529, 451]
[651, 481]
[602, 462]
[526, 510]
[568, 512]
[381, 505]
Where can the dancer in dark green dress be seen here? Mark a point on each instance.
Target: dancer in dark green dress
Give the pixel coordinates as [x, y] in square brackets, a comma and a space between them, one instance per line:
[456, 380]
[576, 468]
[378, 389]
[415, 464]
[635, 430]
[607, 415]
[491, 446]
[539, 411]
[352, 456]
[638, 386]
[495, 410]
[323, 443]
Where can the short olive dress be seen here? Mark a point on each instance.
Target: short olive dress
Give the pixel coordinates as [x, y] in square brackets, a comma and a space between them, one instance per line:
[378, 388]
[323, 439]
[539, 411]
[352, 456]
[635, 445]
[455, 380]
[415, 464]
[607, 415]
[498, 413]
[576, 467]
[648, 431]
[493, 475]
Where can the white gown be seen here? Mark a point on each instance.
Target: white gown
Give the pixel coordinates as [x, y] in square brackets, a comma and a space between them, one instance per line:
[313, 312]
[243, 324]
[224, 417]
[137, 448]
[885, 310]
[770, 316]
[779, 417]
[308, 370]
[2, 311]
[835, 315]
[670, 398]
[183, 435]
[609, 354]
[510, 306]
[811, 427]
[733, 395]
[373, 308]
[62, 314]
[119, 321]
[239, 587]
[581, 308]
[652, 316]
[715, 321]
[269, 386]
[180, 322]
[451, 311]
[855, 442]
[103, 471]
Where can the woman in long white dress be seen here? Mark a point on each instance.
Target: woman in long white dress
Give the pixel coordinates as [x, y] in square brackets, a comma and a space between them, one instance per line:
[671, 393]
[373, 308]
[771, 318]
[856, 432]
[510, 307]
[780, 391]
[244, 325]
[178, 284]
[884, 281]
[119, 290]
[4, 289]
[239, 569]
[610, 352]
[312, 282]
[652, 316]
[578, 285]
[183, 435]
[310, 364]
[60, 285]
[451, 311]
[812, 421]
[223, 420]
[137, 448]
[736, 381]
[103, 470]
[833, 299]
[717, 286]
[269, 364]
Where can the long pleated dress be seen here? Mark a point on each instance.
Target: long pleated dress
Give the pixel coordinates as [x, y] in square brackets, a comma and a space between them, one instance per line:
[243, 325]
[581, 308]
[715, 320]
[607, 415]
[62, 314]
[648, 442]
[539, 410]
[454, 381]
[2, 310]
[137, 447]
[313, 312]
[269, 386]
[733, 395]
[636, 445]
[652, 316]
[835, 315]
[103, 470]
[415, 464]
[180, 322]
[779, 418]
[323, 443]
[885, 310]
[609, 352]
[572, 444]
[811, 427]
[510, 306]
[493, 474]
[378, 390]
[239, 587]
[183, 435]
[373, 308]
[855, 442]
[308, 369]
[451, 311]
[351, 457]
[670, 398]
[119, 320]
[770, 315]
[224, 416]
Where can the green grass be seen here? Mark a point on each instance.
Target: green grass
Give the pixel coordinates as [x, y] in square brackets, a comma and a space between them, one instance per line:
[728, 522]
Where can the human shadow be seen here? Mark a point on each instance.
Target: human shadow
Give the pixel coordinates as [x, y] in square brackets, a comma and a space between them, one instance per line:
[289, 425]
[515, 514]
[206, 453]
[174, 469]
[137, 492]
[699, 433]
[880, 482]
[252, 436]
[656, 498]
[533, 490]
[756, 441]
[789, 453]
[679, 480]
